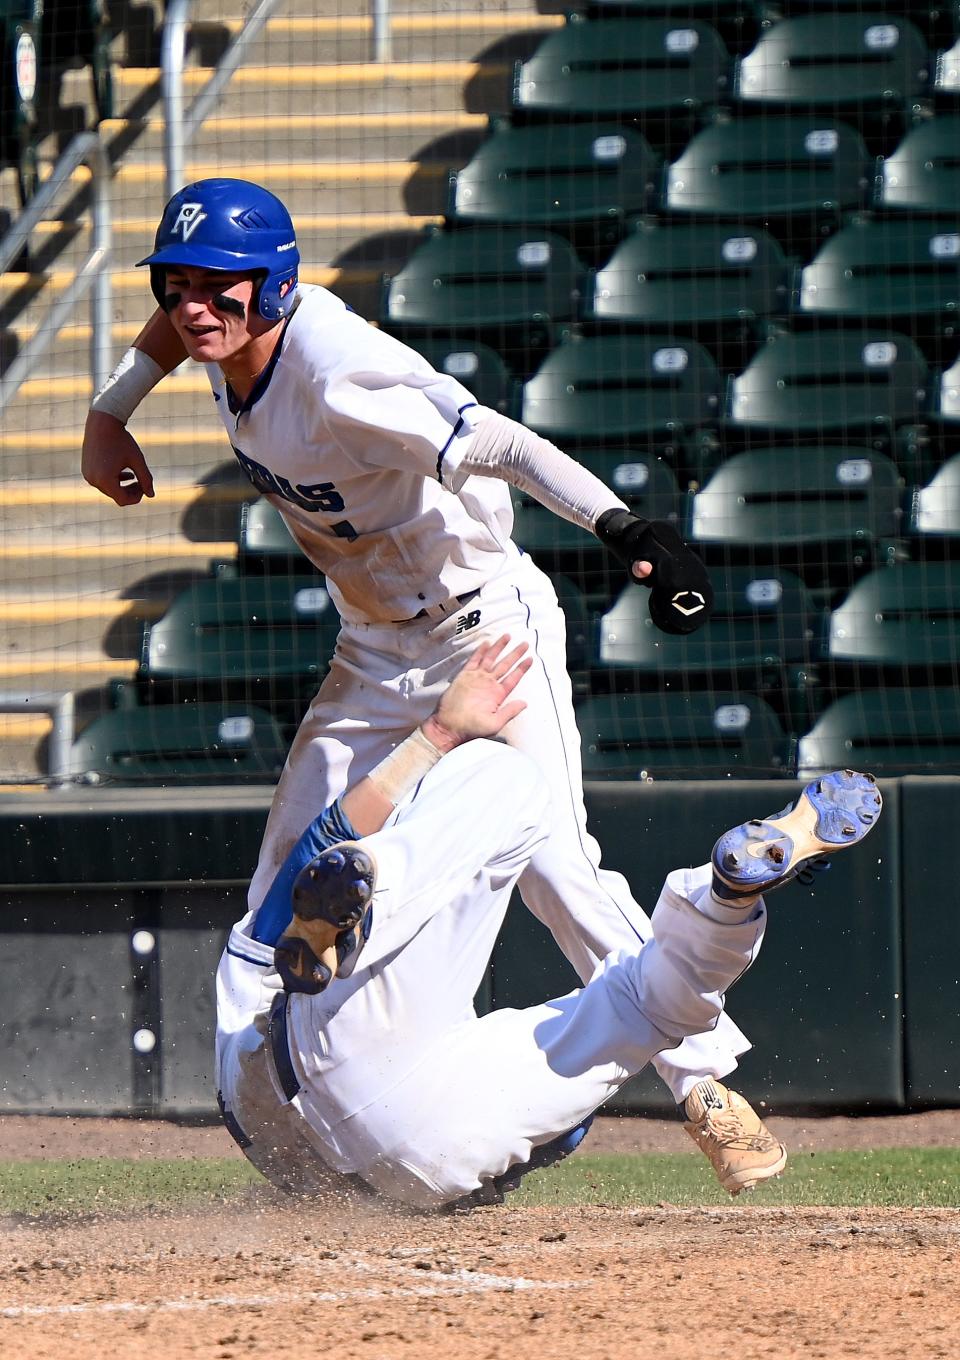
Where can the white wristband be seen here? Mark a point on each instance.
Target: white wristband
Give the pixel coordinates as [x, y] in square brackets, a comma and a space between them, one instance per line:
[403, 768]
[134, 376]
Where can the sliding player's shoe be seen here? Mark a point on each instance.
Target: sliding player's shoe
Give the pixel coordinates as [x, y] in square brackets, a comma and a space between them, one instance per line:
[727, 1129]
[833, 812]
[331, 918]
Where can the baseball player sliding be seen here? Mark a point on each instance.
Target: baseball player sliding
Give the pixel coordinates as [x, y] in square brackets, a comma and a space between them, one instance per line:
[393, 481]
[349, 1053]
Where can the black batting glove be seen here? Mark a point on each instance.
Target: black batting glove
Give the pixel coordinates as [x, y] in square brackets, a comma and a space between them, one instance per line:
[681, 596]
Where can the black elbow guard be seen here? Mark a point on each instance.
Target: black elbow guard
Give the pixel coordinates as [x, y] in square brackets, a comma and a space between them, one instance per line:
[681, 596]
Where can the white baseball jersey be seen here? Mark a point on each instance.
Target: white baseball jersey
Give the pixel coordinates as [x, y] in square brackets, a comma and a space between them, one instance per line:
[358, 442]
[389, 1074]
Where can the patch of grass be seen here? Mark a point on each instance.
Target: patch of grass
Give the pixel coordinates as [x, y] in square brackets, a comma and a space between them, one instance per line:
[893, 1177]
[883, 1177]
[110, 1185]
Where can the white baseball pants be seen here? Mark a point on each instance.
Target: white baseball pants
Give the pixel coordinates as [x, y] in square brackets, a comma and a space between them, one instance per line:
[387, 678]
[397, 1079]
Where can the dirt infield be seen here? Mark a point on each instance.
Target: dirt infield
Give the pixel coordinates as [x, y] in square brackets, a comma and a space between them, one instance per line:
[258, 1278]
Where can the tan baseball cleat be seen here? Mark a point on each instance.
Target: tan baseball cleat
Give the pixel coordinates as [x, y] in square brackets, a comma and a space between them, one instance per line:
[732, 1136]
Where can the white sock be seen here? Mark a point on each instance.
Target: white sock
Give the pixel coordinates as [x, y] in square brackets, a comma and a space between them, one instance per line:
[727, 913]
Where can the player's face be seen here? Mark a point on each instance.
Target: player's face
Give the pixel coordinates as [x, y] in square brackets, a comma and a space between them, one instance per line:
[212, 311]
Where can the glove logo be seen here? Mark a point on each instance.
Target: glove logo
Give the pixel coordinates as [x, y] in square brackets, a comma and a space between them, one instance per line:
[188, 219]
[688, 602]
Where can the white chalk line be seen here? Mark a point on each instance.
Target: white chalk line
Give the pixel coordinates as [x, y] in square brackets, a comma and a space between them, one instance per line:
[460, 1282]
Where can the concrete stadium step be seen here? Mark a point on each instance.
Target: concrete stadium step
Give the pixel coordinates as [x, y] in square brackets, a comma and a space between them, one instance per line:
[349, 136]
[213, 11]
[197, 512]
[176, 454]
[297, 40]
[117, 565]
[360, 87]
[63, 625]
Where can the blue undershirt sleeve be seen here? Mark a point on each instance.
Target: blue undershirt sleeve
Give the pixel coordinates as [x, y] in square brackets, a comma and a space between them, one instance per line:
[275, 912]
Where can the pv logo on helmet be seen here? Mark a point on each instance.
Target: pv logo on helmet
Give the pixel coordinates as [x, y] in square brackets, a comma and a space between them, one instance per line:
[188, 219]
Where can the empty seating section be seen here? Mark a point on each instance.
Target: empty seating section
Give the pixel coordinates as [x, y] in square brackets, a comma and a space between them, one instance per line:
[711, 249]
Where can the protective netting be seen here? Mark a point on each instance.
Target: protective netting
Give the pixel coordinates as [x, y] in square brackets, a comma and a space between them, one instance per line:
[713, 250]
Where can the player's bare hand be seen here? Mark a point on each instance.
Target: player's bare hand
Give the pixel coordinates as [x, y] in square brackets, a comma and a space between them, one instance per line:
[478, 702]
[112, 460]
[641, 570]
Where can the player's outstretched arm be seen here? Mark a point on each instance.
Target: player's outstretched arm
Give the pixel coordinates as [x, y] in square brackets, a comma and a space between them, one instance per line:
[112, 460]
[477, 703]
[651, 550]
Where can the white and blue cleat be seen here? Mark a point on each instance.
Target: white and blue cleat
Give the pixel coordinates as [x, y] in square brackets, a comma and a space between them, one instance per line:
[833, 812]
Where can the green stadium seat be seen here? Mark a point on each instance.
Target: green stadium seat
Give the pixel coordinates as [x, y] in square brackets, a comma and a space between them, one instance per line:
[656, 389]
[858, 382]
[479, 367]
[20, 39]
[894, 271]
[682, 736]
[709, 279]
[923, 174]
[899, 624]
[828, 512]
[623, 68]
[793, 175]
[263, 638]
[210, 743]
[764, 637]
[846, 64]
[642, 480]
[584, 179]
[935, 509]
[503, 285]
[890, 732]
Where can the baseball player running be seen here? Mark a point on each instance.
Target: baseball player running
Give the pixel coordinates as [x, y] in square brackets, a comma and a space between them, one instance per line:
[393, 482]
[348, 1049]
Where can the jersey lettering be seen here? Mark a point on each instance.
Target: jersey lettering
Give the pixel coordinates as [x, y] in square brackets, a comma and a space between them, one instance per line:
[318, 496]
[467, 621]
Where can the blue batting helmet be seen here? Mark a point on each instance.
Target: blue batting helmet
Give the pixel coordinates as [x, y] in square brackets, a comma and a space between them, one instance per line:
[229, 224]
